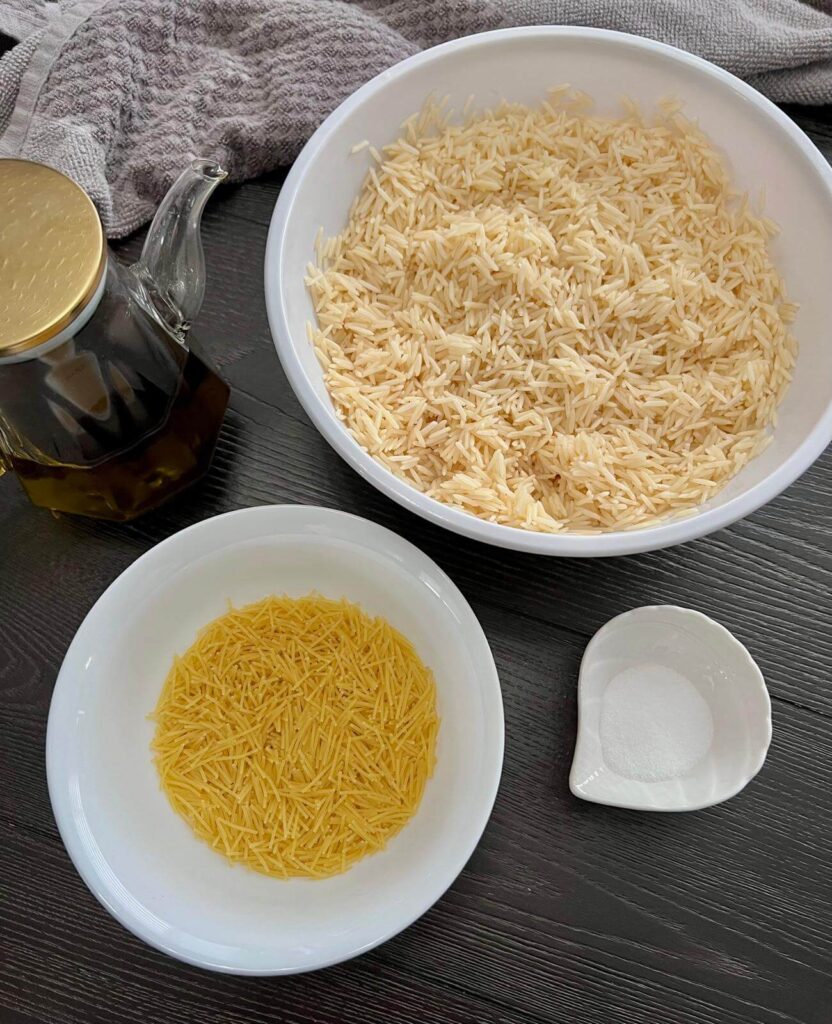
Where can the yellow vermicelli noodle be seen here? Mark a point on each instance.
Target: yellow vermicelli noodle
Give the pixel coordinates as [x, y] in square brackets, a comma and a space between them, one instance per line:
[554, 320]
[296, 735]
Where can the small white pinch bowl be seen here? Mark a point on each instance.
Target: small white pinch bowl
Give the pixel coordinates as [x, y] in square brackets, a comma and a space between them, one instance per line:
[723, 672]
[142, 861]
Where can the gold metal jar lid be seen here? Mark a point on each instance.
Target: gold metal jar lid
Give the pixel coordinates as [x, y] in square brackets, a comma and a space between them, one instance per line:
[52, 253]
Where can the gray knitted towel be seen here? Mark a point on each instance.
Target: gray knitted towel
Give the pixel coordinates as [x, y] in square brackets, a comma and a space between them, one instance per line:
[116, 93]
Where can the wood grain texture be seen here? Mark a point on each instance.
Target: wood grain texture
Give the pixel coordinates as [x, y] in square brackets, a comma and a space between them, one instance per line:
[567, 912]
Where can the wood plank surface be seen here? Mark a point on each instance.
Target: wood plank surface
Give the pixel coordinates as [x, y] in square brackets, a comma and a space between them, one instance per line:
[567, 912]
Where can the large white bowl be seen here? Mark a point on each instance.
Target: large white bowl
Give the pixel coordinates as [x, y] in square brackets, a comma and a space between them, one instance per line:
[141, 859]
[763, 147]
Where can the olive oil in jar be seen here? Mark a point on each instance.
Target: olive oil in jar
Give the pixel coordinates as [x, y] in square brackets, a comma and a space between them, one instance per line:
[105, 410]
[166, 459]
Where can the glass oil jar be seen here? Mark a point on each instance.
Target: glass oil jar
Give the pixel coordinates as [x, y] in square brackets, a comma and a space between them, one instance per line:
[104, 409]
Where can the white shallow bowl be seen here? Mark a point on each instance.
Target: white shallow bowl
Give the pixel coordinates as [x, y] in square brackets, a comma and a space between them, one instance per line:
[141, 859]
[723, 672]
[762, 145]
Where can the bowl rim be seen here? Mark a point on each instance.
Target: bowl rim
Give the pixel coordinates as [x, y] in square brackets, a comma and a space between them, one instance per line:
[63, 749]
[620, 542]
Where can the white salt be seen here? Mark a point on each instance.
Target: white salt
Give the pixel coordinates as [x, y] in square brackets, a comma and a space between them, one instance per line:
[655, 724]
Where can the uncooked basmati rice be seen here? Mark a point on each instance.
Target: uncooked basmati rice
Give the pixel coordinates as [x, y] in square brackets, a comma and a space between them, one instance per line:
[554, 320]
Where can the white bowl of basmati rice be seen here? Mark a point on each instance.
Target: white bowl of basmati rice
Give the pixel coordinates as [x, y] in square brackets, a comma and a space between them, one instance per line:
[566, 370]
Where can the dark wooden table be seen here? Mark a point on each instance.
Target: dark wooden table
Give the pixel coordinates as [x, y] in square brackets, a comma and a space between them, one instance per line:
[567, 912]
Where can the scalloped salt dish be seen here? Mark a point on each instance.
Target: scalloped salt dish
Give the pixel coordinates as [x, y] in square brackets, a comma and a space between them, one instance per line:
[720, 668]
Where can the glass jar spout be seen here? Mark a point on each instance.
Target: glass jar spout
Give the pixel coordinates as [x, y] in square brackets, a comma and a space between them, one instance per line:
[172, 264]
